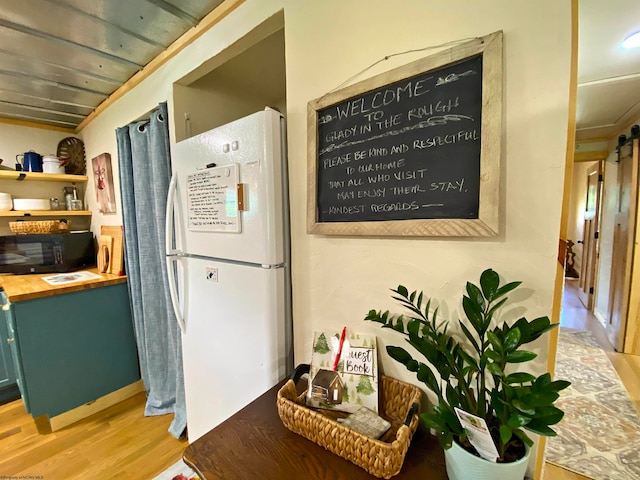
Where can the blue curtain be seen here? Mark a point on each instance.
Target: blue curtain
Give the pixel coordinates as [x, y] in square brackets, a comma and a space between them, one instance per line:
[145, 172]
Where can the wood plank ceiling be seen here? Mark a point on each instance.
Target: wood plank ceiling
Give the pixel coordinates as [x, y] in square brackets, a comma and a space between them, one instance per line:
[59, 59]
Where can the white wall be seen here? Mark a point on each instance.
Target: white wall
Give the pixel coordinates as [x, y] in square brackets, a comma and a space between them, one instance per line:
[336, 280]
[16, 139]
[339, 279]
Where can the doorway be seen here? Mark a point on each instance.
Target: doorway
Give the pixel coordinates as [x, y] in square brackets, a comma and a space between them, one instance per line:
[583, 230]
[605, 246]
[590, 233]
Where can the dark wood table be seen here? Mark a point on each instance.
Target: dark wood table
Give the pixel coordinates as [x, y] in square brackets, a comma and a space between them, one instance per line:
[254, 444]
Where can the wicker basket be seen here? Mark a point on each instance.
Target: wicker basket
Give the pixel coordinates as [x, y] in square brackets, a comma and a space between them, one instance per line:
[42, 226]
[399, 402]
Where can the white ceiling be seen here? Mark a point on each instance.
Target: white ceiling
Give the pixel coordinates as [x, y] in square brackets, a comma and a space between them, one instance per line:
[608, 75]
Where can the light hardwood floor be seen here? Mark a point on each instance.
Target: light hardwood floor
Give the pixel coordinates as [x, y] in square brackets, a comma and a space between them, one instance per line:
[120, 442]
[574, 315]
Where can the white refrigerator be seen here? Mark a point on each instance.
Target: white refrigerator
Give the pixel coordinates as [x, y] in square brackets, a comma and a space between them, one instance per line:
[228, 264]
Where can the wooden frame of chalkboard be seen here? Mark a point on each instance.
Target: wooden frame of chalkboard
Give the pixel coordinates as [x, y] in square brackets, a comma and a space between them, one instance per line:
[414, 151]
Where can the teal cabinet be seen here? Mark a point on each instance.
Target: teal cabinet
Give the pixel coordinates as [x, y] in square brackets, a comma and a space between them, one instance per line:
[73, 348]
[8, 383]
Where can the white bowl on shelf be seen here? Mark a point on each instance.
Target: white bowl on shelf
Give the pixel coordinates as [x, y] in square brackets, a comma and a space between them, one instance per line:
[31, 204]
[5, 201]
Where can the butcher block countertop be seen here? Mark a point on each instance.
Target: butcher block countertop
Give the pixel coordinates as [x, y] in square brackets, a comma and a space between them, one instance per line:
[28, 287]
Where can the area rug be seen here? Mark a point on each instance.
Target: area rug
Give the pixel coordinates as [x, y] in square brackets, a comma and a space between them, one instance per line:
[178, 471]
[599, 436]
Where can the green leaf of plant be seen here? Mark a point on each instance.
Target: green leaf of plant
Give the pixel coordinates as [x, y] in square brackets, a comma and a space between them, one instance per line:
[503, 290]
[543, 380]
[406, 303]
[398, 326]
[453, 396]
[474, 314]
[543, 399]
[498, 404]
[469, 336]
[468, 358]
[433, 421]
[549, 415]
[446, 440]
[537, 327]
[413, 327]
[489, 281]
[402, 290]
[375, 316]
[496, 307]
[447, 413]
[426, 376]
[399, 354]
[505, 433]
[493, 355]
[510, 392]
[519, 377]
[525, 330]
[426, 309]
[516, 420]
[559, 385]
[495, 341]
[523, 436]
[495, 369]
[524, 408]
[475, 295]
[520, 356]
[512, 340]
[540, 428]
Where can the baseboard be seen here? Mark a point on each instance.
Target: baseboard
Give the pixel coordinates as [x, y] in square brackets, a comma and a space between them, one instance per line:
[83, 411]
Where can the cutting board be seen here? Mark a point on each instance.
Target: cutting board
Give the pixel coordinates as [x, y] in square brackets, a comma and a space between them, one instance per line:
[116, 259]
[105, 247]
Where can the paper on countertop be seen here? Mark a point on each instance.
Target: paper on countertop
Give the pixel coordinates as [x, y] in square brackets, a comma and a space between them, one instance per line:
[64, 278]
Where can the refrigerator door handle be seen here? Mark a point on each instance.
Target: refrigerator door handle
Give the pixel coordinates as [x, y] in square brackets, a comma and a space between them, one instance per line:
[172, 254]
[170, 213]
[173, 292]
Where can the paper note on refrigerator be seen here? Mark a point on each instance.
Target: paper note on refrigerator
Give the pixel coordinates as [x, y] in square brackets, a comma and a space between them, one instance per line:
[212, 200]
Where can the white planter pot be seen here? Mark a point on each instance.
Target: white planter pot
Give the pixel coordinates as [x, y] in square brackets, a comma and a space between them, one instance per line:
[462, 465]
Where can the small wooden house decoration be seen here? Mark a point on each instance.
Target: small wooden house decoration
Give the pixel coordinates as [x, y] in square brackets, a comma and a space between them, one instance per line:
[327, 387]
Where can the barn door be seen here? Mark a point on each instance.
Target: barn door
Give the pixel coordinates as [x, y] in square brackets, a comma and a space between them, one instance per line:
[623, 243]
[590, 234]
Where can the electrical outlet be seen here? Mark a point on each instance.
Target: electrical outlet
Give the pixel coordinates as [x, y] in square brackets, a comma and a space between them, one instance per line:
[212, 274]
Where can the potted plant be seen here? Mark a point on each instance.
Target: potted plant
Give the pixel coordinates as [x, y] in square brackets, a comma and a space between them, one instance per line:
[476, 373]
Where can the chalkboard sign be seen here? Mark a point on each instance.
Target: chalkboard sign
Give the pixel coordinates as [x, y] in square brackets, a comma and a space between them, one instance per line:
[414, 151]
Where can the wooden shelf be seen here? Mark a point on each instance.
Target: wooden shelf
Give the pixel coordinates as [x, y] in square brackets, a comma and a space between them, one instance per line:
[45, 213]
[41, 177]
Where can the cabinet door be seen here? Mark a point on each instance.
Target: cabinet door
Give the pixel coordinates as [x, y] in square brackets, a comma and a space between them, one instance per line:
[8, 379]
[7, 372]
[75, 347]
